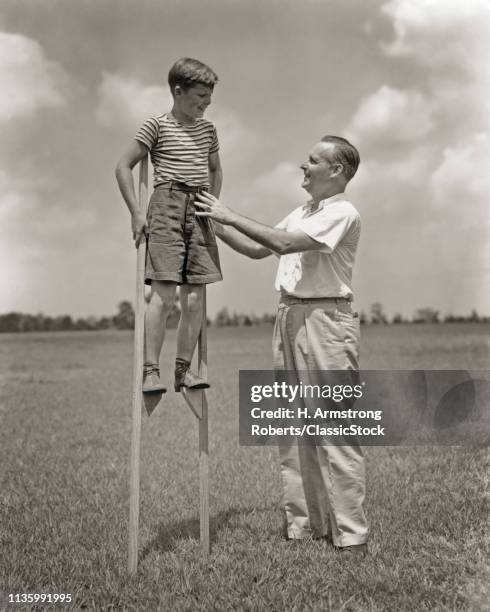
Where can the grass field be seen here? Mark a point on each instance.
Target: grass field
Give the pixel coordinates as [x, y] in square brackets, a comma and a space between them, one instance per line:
[65, 403]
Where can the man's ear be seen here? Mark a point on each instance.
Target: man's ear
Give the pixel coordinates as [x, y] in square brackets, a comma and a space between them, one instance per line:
[177, 91]
[338, 169]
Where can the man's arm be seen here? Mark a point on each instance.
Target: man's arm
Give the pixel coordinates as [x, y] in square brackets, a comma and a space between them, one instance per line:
[215, 174]
[278, 240]
[240, 243]
[124, 175]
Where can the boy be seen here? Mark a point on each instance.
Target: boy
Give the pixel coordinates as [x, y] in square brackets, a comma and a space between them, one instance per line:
[182, 247]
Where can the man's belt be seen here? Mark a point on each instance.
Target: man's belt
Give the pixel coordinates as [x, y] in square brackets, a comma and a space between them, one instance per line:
[291, 299]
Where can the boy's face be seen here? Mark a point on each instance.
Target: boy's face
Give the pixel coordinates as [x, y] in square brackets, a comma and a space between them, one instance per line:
[194, 101]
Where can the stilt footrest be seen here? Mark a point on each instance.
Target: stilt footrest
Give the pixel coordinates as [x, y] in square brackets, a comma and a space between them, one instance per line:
[194, 399]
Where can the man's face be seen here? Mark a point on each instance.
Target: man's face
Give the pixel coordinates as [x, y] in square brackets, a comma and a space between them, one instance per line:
[194, 101]
[319, 169]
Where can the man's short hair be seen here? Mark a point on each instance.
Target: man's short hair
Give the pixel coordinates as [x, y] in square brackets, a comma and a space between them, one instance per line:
[188, 72]
[344, 153]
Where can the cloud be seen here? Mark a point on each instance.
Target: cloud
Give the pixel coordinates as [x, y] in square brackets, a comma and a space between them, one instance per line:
[392, 116]
[124, 101]
[426, 225]
[428, 179]
[238, 142]
[284, 183]
[448, 43]
[433, 31]
[462, 176]
[17, 253]
[418, 138]
[391, 185]
[458, 191]
[48, 245]
[28, 80]
[272, 195]
[33, 216]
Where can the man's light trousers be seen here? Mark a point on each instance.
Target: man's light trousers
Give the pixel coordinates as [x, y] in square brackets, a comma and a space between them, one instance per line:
[324, 486]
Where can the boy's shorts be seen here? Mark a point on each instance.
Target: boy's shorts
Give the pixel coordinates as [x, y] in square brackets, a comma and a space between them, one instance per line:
[181, 246]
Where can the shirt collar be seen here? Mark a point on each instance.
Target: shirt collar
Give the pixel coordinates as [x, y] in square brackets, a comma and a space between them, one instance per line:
[173, 119]
[335, 198]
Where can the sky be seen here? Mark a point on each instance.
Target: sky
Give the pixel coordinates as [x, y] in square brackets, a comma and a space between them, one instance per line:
[407, 81]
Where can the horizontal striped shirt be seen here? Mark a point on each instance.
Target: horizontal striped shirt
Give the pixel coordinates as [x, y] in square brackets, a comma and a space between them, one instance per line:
[179, 152]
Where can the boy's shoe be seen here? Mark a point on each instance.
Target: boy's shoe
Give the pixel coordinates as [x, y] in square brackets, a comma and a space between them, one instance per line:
[354, 551]
[184, 377]
[151, 380]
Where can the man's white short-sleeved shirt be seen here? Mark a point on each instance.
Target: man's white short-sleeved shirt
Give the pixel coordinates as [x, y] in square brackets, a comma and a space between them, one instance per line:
[326, 272]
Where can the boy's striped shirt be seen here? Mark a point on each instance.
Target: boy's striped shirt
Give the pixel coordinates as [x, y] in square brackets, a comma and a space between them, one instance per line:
[179, 152]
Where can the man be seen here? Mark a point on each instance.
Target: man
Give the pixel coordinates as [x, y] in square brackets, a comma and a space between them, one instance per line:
[315, 330]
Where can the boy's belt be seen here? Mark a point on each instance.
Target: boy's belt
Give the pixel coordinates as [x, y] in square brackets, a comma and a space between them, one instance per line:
[178, 186]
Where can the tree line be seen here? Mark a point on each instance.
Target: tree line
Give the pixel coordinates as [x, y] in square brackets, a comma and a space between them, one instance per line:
[421, 315]
[124, 319]
[375, 316]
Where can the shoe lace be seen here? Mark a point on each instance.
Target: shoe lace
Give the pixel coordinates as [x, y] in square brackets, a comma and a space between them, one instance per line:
[150, 368]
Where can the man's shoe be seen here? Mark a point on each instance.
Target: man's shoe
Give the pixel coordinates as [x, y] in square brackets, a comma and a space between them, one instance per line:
[184, 377]
[151, 380]
[354, 551]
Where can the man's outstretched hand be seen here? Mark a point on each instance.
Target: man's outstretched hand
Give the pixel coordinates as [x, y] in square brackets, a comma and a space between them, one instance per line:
[139, 227]
[211, 207]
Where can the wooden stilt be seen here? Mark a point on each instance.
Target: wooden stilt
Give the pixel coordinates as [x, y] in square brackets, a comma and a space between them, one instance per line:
[197, 402]
[203, 437]
[139, 328]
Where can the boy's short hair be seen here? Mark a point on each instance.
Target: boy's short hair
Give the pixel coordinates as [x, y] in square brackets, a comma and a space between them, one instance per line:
[188, 72]
[344, 153]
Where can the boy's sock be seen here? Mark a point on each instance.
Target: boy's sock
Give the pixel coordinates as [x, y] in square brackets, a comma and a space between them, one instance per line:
[182, 363]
